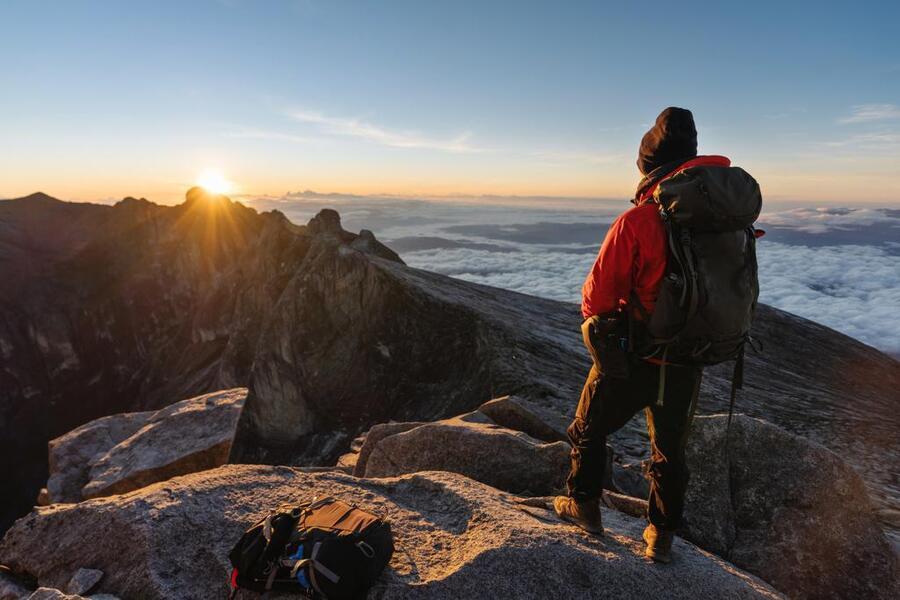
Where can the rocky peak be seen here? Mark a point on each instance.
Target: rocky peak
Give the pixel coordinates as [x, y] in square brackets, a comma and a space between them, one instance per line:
[131, 202]
[37, 198]
[326, 221]
[123, 308]
[326, 225]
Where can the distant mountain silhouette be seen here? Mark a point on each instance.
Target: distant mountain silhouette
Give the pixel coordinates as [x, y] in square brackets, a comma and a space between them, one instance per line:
[106, 309]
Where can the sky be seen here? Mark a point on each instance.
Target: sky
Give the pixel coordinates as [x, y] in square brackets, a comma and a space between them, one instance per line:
[101, 100]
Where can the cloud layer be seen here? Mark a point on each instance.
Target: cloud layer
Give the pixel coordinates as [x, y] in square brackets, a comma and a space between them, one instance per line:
[835, 266]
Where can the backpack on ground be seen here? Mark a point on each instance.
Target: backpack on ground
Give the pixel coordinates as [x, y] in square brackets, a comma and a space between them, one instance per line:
[708, 296]
[324, 549]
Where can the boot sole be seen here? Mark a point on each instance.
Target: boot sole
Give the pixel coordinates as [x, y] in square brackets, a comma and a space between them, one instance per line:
[580, 524]
[660, 558]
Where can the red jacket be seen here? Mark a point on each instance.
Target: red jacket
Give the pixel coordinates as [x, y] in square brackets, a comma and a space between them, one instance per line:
[633, 255]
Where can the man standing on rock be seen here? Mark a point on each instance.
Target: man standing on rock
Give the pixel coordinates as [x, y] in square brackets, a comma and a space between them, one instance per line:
[626, 277]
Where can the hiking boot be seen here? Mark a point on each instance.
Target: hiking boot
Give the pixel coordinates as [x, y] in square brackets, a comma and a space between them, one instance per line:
[584, 514]
[659, 543]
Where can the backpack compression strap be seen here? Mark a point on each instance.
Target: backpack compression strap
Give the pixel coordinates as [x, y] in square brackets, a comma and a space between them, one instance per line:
[315, 565]
[737, 382]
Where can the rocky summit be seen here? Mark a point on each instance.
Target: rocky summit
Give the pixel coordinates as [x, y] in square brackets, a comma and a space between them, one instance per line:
[455, 538]
[145, 346]
[805, 525]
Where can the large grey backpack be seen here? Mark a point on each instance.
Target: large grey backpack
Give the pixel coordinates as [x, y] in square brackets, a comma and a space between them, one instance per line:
[708, 297]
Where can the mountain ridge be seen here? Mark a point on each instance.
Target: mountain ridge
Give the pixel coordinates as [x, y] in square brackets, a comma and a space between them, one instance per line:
[140, 305]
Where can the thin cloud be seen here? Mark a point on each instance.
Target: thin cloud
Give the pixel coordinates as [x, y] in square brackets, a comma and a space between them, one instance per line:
[357, 128]
[330, 127]
[875, 140]
[866, 113]
[264, 134]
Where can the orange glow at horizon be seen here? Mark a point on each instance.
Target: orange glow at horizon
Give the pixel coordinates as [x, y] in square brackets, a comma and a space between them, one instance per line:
[213, 181]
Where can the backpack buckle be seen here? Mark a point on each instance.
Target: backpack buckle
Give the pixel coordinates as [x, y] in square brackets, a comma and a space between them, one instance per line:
[366, 549]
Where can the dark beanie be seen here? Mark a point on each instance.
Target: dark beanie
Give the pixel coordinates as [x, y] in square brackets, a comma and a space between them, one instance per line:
[673, 137]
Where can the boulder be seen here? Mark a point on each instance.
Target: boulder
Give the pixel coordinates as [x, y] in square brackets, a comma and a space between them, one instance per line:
[11, 588]
[356, 443]
[454, 537]
[70, 455]
[45, 593]
[474, 446]
[629, 482]
[188, 436]
[786, 509]
[376, 434]
[522, 414]
[630, 479]
[83, 581]
[347, 461]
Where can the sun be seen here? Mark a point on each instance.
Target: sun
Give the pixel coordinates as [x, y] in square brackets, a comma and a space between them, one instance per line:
[214, 182]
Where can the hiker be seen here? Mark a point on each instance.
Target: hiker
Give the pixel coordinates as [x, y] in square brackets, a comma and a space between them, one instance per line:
[619, 298]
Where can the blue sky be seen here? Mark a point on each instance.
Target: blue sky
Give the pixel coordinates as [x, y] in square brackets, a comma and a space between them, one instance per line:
[106, 99]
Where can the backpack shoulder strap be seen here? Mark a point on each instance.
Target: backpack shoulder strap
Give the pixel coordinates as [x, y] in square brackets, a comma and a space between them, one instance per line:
[737, 382]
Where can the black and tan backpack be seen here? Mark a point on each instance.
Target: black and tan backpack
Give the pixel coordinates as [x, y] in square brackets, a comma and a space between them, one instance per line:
[324, 549]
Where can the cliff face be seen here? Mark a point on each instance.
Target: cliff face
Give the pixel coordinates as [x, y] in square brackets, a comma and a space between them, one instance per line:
[135, 306]
[129, 307]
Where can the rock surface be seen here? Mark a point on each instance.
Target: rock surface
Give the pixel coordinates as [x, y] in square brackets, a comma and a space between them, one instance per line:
[786, 509]
[112, 309]
[192, 435]
[71, 454]
[45, 593]
[122, 308]
[522, 414]
[474, 446]
[11, 588]
[455, 538]
[805, 525]
[122, 452]
[376, 434]
[83, 581]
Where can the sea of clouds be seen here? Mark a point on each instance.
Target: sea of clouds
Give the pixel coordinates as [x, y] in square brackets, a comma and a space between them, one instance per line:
[837, 266]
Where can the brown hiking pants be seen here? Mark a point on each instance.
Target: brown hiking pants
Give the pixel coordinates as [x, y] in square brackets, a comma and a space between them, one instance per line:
[606, 405]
